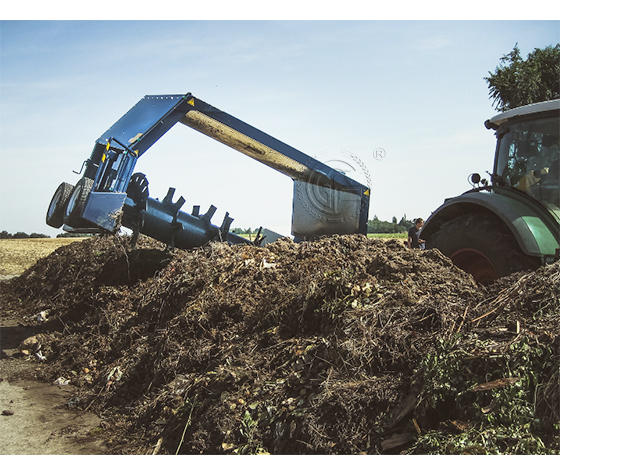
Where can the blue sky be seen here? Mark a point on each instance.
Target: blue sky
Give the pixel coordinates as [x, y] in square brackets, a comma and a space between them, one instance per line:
[330, 89]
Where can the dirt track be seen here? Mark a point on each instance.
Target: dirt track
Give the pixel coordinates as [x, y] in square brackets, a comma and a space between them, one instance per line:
[42, 422]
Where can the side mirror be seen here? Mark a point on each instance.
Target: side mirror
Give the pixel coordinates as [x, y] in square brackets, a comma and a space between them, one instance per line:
[475, 178]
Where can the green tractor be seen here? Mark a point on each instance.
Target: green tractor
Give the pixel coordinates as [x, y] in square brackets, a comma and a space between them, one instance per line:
[513, 223]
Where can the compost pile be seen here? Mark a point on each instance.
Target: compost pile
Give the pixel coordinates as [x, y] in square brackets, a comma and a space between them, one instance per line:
[344, 345]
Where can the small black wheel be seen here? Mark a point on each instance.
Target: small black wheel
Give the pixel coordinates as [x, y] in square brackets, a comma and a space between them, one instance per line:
[481, 245]
[56, 209]
[77, 201]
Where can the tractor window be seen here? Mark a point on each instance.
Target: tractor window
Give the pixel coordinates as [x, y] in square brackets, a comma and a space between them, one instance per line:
[529, 158]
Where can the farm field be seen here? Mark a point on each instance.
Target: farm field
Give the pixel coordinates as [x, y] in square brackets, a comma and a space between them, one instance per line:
[388, 235]
[17, 255]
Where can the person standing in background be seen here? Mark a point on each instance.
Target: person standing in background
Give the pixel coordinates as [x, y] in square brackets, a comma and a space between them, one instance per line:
[414, 241]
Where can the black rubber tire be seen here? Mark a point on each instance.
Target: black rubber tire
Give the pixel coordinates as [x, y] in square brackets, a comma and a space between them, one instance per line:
[76, 202]
[56, 208]
[481, 245]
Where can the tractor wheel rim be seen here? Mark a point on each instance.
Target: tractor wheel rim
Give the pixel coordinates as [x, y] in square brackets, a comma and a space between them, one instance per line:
[71, 203]
[475, 263]
[54, 204]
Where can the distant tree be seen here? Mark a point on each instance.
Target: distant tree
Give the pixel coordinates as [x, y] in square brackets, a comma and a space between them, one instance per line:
[244, 230]
[517, 82]
[21, 235]
[404, 223]
[376, 225]
[75, 235]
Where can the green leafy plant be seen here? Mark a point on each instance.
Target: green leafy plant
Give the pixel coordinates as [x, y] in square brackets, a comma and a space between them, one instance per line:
[517, 82]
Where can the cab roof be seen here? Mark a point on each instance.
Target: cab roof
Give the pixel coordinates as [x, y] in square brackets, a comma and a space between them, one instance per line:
[538, 107]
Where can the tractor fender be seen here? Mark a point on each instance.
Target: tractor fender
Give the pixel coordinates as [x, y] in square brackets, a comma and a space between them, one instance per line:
[526, 224]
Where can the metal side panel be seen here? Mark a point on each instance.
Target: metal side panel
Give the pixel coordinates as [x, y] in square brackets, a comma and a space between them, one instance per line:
[320, 211]
[104, 209]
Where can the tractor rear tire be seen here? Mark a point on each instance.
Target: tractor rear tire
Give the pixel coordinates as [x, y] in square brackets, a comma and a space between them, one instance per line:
[56, 209]
[76, 203]
[481, 245]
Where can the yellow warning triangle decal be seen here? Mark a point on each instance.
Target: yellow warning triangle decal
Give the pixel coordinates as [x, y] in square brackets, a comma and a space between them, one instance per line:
[366, 193]
[191, 102]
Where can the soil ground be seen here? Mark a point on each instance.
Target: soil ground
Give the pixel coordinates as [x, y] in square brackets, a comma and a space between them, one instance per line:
[41, 421]
[341, 346]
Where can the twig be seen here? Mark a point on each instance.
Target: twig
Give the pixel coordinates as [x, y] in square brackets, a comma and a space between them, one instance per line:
[158, 446]
[64, 325]
[416, 425]
[118, 239]
[484, 301]
[319, 433]
[186, 425]
[451, 331]
[462, 322]
[466, 309]
[482, 316]
[305, 443]
[100, 392]
[319, 357]
[424, 318]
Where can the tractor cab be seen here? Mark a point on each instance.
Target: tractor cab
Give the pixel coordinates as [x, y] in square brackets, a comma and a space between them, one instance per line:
[527, 157]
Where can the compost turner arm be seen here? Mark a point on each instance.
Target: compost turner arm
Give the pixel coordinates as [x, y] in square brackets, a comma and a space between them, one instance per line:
[109, 202]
